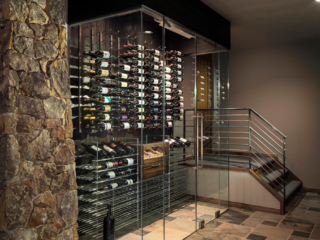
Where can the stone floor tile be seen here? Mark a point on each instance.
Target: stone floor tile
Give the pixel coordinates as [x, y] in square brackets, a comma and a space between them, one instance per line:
[309, 216]
[269, 223]
[182, 213]
[194, 237]
[311, 193]
[297, 225]
[229, 237]
[206, 230]
[171, 234]
[316, 232]
[234, 217]
[154, 226]
[267, 216]
[132, 236]
[252, 222]
[256, 237]
[311, 197]
[296, 238]
[301, 234]
[215, 223]
[169, 219]
[215, 236]
[207, 210]
[208, 216]
[139, 232]
[314, 209]
[182, 225]
[273, 232]
[295, 201]
[247, 211]
[189, 208]
[234, 230]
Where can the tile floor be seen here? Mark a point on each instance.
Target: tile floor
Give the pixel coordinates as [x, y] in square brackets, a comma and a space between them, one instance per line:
[302, 221]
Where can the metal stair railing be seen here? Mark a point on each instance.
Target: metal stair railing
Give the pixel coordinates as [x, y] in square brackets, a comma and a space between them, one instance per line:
[249, 134]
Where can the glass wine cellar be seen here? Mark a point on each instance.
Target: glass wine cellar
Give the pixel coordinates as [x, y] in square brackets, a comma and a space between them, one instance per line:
[150, 115]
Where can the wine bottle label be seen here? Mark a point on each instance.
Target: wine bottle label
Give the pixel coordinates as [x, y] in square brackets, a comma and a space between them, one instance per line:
[174, 85]
[168, 70]
[141, 117]
[179, 79]
[183, 140]
[126, 125]
[155, 103]
[141, 94]
[181, 117]
[96, 148]
[123, 109]
[108, 149]
[168, 97]
[168, 77]
[130, 161]
[140, 125]
[156, 52]
[140, 102]
[179, 60]
[115, 164]
[86, 79]
[140, 48]
[169, 103]
[140, 71]
[181, 98]
[104, 64]
[97, 167]
[155, 110]
[107, 126]
[104, 90]
[107, 108]
[155, 59]
[113, 185]
[168, 84]
[106, 117]
[104, 73]
[129, 181]
[180, 92]
[181, 111]
[181, 104]
[169, 124]
[140, 63]
[155, 67]
[124, 84]
[179, 73]
[179, 53]
[156, 117]
[168, 90]
[161, 63]
[140, 55]
[106, 54]
[156, 96]
[140, 110]
[179, 66]
[141, 79]
[124, 117]
[126, 67]
[124, 76]
[140, 86]
[168, 117]
[155, 81]
[156, 89]
[109, 164]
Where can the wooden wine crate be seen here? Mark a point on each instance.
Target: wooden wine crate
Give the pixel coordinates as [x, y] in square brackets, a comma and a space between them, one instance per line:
[153, 164]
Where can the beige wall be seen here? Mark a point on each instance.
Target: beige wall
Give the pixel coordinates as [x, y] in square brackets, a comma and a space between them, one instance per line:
[282, 83]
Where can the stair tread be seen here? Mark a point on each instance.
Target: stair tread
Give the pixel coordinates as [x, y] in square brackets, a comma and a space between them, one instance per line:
[273, 175]
[290, 188]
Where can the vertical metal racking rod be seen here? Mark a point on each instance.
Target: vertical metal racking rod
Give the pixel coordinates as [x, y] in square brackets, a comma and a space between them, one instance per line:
[249, 126]
[196, 131]
[284, 174]
[79, 79]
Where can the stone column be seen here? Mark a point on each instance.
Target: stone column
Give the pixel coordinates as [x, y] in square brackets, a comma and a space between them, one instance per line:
[38, 196]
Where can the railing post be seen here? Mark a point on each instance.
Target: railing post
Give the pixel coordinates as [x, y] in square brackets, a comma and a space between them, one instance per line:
[284, 174]
[249, 125]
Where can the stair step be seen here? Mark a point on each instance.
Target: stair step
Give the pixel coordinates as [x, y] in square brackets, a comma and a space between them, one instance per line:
[290, 188]
[273, 175]
[262, 162]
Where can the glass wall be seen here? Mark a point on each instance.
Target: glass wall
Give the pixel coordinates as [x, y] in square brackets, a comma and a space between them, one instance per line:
[150, 116]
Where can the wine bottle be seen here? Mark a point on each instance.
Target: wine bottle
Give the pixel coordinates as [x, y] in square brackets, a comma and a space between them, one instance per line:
[186, 142]
[167, 117]
[167, 77]
[138, 125]
[108, 150]
[128, 161]
[120, 151]
[171, 144]
[155, 81]
[175, 143]
[155, 59]
[169, 124]
[153, 117]
[139, 79]
[178, 98]
[178, 117]
[168, 90]
[124, 125]
[108, 224]
[95, 150]
[113, 186]
[134, 47]
[169, 97]
[128, 182]
[178, 111]
[154, 52]
[155, 103]
[98, 54]
[177, 79]
[101, 126]
[175, 66]
[99, 63]
[169, 104]
[107, 165]
[110, 174]
[137, 71]
[98, 72]
[155, 110]
[155, 96]
[168, 70]
[127, 148]
[102, 117]
[134, 55]
[177, 91]
[108, 82]
[103, 90]
[135, 62]
[177, 72]
[169, 111]
[155, 88]
[168, 84]
[174, 53]
[124, 67]
[174, 85]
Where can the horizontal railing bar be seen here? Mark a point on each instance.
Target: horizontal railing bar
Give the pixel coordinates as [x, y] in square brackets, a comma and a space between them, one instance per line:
[266, 141]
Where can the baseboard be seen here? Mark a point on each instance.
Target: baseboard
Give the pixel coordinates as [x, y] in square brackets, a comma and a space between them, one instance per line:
[306, 189]
[241, 205]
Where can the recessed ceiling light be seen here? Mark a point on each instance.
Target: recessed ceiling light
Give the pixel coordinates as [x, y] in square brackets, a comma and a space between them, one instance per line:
[148, 32]
[317, 0]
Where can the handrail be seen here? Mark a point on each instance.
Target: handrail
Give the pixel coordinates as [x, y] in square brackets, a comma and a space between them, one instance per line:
[255, 112]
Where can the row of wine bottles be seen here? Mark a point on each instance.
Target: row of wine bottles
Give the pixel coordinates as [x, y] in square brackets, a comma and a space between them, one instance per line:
[178, 142]
[111, 117]
[103, 126]
[107, 150]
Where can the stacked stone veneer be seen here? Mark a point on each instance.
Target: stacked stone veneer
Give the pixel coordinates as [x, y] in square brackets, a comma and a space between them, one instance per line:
[38, 197]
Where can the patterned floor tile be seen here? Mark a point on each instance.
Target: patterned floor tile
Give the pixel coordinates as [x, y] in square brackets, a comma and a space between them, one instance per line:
[297, 225]
[269, 223]
[256, 237]
[169, 219]
[234, 217]
[316, 232]
[314, 209]
[273, 232]
[189, 208]
[234, 230]
[301, 234]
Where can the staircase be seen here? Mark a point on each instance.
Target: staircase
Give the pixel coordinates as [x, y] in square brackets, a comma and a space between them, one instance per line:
[254, 144]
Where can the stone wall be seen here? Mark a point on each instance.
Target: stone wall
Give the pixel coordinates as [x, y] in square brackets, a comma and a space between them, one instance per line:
[38, 196]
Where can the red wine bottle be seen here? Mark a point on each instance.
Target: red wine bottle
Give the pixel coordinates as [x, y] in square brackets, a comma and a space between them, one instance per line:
[108, 225]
